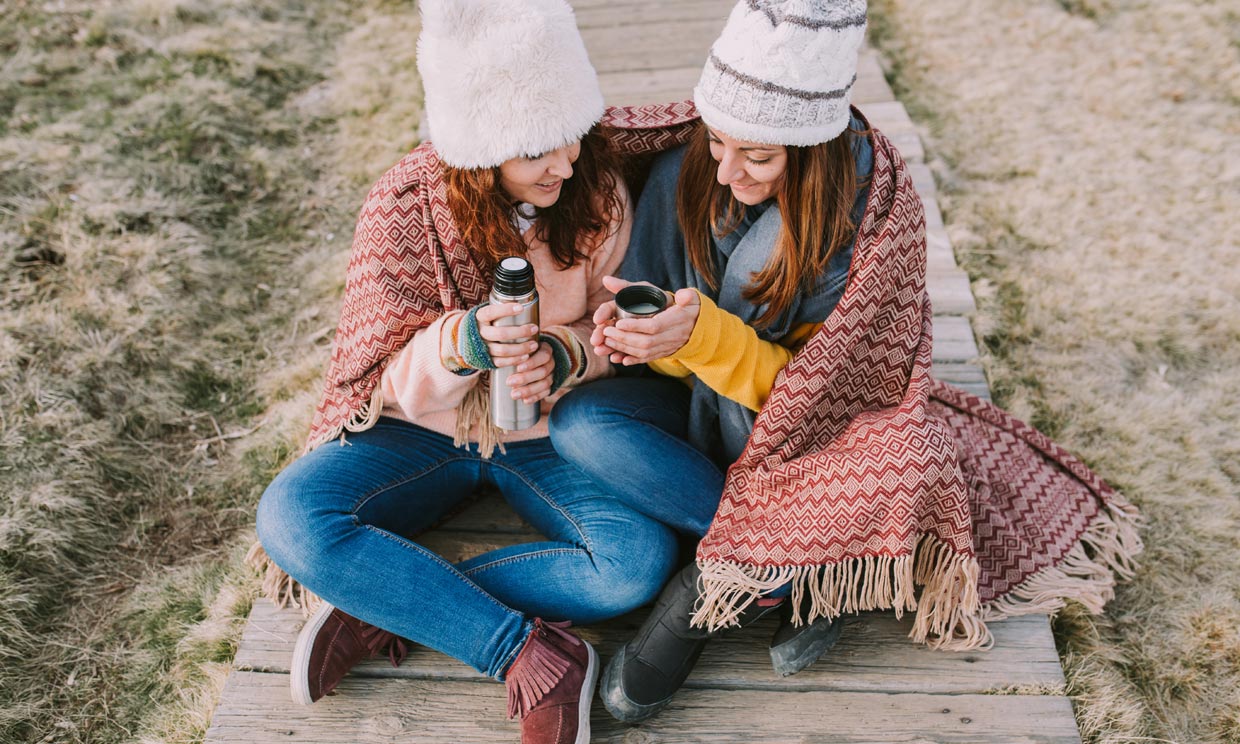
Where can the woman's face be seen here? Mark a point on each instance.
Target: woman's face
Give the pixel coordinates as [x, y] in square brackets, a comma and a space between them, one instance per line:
[539, 180]
[752, 170]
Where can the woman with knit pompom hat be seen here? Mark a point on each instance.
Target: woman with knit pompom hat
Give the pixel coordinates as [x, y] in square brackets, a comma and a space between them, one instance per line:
[822, 467]
[516, 166]
[754, 221]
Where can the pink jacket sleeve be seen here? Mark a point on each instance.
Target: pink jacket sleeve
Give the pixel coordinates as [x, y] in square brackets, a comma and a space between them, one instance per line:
[416, 379]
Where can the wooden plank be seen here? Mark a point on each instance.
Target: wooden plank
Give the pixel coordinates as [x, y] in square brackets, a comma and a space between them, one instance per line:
[874, 654]
[909, 145]
[953, 340]
[934, 217]
[257, 708]
[923, 180]
[950, 293]
[458, 546]
[893, 120]
[889, 116]
[651, 46]
[490, 514]
[939, 254]
[872, 84]
[634, 87]
[969, 377]
[613, 14]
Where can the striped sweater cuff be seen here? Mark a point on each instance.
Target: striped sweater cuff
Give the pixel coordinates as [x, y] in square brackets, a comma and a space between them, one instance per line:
[569, 354]
[462, 350]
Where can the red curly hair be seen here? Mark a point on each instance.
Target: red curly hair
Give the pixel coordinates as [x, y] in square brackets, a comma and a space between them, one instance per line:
[580, 219]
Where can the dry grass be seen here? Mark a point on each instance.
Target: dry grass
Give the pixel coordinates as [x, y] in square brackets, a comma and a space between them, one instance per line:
[1089, 157]
[178, 182]
[177, 185]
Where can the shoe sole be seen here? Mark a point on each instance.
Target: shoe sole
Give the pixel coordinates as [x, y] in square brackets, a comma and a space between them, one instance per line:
[587, 697]
[792, 657]
[616, 702]
[299, 675]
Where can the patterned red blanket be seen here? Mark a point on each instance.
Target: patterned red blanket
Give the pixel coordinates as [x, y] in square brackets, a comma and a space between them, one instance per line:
[868, 485]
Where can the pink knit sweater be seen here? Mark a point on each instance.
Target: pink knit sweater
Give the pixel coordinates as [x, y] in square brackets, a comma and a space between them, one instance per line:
[419, 389]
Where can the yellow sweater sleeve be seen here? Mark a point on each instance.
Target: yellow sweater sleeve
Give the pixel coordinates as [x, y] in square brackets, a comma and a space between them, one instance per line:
[728, 356]
[670, 367]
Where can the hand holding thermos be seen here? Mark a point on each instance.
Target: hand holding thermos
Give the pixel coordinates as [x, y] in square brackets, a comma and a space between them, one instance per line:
[643, 323]
[509, 325]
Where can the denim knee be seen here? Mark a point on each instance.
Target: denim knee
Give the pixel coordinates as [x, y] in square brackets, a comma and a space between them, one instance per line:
[282, 526]
[574, 421]
[628, 578]
[566, 418]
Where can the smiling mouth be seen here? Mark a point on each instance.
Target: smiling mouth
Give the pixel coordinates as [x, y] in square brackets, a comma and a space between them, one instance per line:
[551, 185]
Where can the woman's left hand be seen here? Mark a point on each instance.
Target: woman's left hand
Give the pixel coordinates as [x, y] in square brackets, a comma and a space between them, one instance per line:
[642, 340]
[531, 380]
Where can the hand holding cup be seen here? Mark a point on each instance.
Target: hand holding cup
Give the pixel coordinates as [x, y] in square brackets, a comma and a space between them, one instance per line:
[638, 340]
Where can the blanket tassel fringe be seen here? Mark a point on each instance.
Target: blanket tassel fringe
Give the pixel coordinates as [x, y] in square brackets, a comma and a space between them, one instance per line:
[361, 420]
[1086, 574]
[474, 416]
[949, 613]
[948, 580]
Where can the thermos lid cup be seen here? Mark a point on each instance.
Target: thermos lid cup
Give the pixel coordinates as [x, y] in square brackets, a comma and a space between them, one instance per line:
[514, 277]
[640, 301]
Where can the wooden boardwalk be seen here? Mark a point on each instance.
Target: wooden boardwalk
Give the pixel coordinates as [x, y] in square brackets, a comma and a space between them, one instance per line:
[875, 686]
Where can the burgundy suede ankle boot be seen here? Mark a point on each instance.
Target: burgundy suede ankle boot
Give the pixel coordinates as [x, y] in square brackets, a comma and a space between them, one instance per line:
[550, 685]
[329, 645]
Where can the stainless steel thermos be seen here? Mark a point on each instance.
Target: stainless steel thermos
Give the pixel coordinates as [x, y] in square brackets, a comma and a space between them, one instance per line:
[514, 283]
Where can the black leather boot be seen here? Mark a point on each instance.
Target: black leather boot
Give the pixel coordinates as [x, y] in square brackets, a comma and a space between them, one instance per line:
[644, 674]
[795, 647]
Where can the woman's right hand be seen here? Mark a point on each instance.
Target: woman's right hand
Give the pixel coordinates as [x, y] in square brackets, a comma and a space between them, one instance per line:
[499, 338]
[641, 340]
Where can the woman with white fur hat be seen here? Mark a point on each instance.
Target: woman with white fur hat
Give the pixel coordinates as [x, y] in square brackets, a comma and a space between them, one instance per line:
[516, 166]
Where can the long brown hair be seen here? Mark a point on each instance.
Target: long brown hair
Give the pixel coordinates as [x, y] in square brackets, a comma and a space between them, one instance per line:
[588, 205]
[815, 200]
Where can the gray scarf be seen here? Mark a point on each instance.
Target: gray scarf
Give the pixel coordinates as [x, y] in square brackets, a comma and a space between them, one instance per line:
[720, 427]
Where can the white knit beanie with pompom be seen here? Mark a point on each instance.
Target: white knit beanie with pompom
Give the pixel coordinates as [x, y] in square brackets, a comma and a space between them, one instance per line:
[504, 79]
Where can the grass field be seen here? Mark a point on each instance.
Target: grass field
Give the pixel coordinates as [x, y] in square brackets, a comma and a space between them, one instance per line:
[1088, 155]
[178, 183]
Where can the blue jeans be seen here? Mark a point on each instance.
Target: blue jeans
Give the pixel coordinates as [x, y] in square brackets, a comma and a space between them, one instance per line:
[340, 521]
[631, 435]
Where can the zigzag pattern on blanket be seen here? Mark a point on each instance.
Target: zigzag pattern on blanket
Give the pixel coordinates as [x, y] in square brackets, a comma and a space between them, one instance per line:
[387, 292]
[864, 479]
[633, 130]
[1033, 505]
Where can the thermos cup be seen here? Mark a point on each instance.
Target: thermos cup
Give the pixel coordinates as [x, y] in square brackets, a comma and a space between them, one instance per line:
[640, 301]
[514, 283]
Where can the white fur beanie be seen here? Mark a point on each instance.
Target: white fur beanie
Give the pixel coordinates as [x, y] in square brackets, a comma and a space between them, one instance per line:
[504, 79]
[782, 72]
